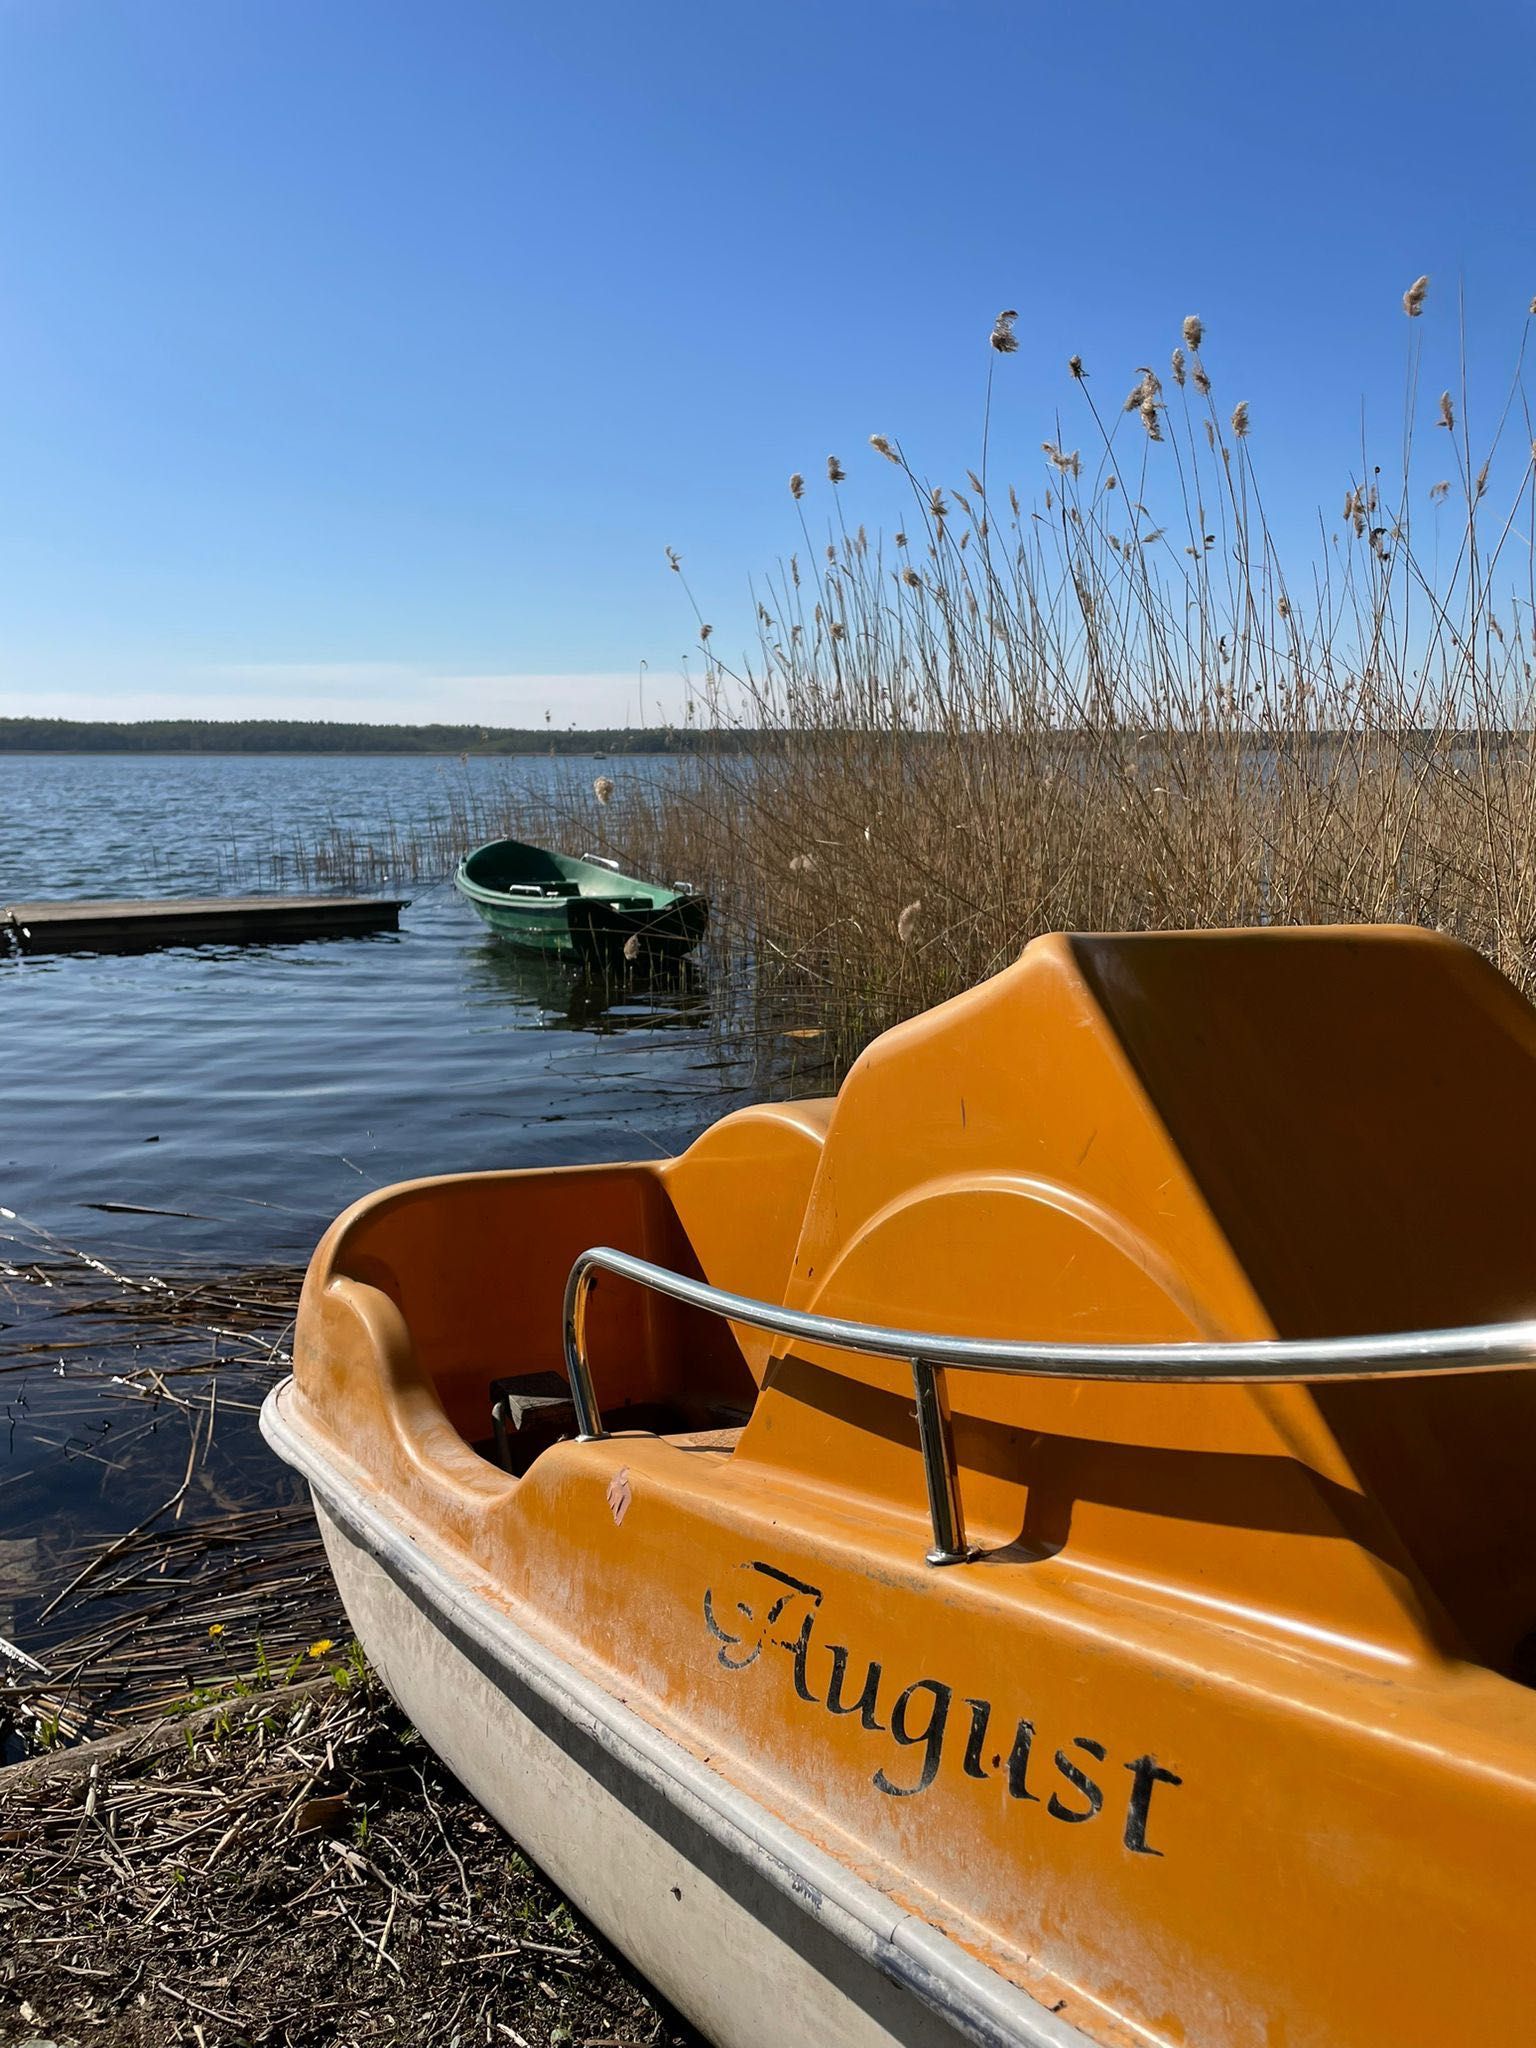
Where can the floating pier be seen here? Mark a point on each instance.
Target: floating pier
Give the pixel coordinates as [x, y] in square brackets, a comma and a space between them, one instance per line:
[137, 926]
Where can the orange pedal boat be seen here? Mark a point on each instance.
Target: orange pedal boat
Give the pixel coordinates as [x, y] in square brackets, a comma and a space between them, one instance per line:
[1040, 1549]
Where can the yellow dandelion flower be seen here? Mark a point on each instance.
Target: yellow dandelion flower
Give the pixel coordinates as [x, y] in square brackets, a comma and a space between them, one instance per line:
[319, 1649]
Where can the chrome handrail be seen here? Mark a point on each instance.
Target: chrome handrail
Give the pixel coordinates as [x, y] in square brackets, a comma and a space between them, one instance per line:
[1479, 1347]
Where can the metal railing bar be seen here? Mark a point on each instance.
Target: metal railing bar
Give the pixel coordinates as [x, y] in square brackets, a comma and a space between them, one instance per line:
[1485, 1347]
[1478, 1347]
[940, 1471]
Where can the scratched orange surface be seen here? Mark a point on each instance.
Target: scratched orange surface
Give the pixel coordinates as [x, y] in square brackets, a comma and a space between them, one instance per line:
[1221, 1737]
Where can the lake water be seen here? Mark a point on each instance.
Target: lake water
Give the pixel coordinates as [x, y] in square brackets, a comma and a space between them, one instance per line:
[262, 1088]
[249, 1094]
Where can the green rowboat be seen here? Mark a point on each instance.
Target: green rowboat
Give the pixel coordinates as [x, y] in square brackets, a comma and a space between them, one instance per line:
[549, 903]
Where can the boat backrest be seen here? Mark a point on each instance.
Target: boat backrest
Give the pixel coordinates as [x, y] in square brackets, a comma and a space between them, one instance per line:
[739, 1194]
[1307, 1133]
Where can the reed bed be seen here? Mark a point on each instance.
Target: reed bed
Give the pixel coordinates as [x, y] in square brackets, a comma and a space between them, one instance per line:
[1119, 701]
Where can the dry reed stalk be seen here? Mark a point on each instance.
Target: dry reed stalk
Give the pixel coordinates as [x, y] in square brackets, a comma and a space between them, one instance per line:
[1114, 709]
[1117, 711]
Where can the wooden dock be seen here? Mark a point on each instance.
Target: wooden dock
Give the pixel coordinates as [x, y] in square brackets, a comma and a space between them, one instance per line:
[137, 926]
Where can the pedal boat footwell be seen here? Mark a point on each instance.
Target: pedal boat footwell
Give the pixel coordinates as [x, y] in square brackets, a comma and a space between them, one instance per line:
[1219, 1733]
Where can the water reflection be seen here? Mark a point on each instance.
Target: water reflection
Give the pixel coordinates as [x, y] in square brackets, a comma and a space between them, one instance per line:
[594, 997]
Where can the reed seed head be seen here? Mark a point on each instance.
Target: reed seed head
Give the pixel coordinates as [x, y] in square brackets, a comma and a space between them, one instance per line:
[1447, 417]
[1414, 297]
[1002, 337]
[632, 947]
[705, 631]
[1440, 491]
[602, 789]
[797, 485]
[674, 561]
[906, 923]
[1176, 360]
[835, 470]
[1240, 419]
[883, 447]
[1150, 420]
[911, 578]
[1194, 330]
[1202, 382]
[936, 504]
[803, 864]
[1075, 365]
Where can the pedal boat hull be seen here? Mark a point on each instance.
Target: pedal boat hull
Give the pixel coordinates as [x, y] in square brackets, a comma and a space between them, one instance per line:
[1210, 1723]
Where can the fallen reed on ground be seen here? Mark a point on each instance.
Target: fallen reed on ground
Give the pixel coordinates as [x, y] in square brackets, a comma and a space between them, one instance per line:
[294, 1868]
[1123, 705]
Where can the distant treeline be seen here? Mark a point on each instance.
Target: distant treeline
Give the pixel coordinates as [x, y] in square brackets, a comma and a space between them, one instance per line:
[323, 736]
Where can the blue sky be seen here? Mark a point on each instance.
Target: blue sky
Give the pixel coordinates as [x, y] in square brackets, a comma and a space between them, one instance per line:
[360, 358]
